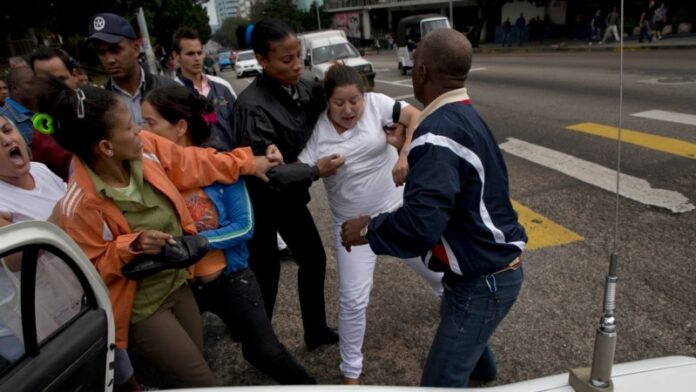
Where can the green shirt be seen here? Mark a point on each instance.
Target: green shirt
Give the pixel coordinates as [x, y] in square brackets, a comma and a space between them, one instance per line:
[145, 208]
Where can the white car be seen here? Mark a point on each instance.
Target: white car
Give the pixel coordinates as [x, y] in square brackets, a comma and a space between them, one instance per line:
[246, 64]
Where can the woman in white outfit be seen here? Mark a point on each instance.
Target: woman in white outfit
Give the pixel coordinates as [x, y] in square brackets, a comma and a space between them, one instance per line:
[352, 126]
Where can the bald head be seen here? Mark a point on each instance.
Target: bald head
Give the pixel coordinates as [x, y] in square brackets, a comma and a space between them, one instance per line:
[20, 82]
[446, 53]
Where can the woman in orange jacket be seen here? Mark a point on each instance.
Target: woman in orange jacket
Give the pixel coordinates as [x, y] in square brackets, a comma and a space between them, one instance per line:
[124, 200]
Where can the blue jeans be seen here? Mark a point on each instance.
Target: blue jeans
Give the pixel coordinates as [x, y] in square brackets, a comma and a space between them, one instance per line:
[645, 32]
[471, 309]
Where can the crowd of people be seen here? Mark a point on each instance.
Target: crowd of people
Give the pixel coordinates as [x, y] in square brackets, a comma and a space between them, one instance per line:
[147, 162]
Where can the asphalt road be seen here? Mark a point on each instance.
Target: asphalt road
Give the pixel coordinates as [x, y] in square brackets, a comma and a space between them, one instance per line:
[563, 182]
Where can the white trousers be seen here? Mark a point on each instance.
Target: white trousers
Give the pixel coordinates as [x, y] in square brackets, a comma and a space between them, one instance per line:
[611, 30]
[355, 270]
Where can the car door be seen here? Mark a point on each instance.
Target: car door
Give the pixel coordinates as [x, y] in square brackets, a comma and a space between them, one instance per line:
[56, 324]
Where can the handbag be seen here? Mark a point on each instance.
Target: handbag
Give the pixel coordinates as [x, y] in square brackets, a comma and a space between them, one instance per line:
[188, 250]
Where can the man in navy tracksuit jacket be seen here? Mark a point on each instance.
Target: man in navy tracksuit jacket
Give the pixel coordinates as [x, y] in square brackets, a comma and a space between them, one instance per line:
[456, 215]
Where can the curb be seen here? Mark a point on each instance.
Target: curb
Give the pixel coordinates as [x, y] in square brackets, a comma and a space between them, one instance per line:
[593, 48]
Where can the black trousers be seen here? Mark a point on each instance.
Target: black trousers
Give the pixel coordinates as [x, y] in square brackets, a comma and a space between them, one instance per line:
[291, 218]
[236, 299]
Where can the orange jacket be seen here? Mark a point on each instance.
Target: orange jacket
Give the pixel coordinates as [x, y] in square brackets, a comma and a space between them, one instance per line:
[101, 230]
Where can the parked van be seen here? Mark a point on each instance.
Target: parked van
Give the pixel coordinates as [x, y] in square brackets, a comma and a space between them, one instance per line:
[410, 31]
[321, 49]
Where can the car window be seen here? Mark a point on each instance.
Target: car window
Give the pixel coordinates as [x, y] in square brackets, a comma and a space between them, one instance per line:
[246, 56]
[58, 299]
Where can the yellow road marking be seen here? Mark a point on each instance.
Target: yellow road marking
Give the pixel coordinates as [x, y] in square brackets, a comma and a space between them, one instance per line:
[543, 232]
[653, 142]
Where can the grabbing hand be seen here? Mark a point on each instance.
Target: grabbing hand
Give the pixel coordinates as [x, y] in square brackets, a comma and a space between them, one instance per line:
[400, 171]
[396, 135]
[350, 231]
[263, 165]
[329, 164]
[151, 242]
[273, 153]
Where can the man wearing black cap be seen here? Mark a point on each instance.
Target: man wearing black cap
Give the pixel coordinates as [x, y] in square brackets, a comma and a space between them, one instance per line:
[114, 40]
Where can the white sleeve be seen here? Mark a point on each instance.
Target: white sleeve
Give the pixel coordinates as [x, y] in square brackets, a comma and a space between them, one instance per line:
[384, 105]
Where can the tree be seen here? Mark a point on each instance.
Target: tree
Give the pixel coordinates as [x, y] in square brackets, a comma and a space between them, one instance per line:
[277, 9]
[71, 21]
[169, 15]
[307, 20]
[226, 34]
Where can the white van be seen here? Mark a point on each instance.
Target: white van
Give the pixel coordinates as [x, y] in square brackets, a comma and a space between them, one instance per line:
[409, 32]
[321, 49]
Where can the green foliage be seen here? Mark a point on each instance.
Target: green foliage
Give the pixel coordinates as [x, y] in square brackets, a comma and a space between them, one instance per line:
[169, 15]
[287, 11]
[70, 19]
[307, 20]
[276, 9]
[226, 34]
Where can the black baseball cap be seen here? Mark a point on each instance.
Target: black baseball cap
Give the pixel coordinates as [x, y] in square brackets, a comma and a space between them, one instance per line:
[110, 28]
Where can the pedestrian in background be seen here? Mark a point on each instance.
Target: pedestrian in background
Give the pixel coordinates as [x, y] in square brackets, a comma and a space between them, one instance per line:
[645, 22]
[612, 22]
[187, 51]
[19, 107]
[4, 92]
[456, 215]
[506, 28]
[520, 24]
[596, 27]
[118, 51]
[659, 19]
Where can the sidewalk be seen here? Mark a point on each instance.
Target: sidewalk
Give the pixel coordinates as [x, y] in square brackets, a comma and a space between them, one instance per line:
[673, 41]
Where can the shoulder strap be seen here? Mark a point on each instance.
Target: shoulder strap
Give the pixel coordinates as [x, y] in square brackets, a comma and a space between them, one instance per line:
[396, 112]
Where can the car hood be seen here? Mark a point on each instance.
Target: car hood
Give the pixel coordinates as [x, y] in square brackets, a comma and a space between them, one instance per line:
[350, 61]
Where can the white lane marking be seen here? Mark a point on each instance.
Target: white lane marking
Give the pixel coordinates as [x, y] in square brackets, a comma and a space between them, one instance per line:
[397, 83]
[382, 69]
[633, 188]
[663, 115]
[407, 82]
[403, 97]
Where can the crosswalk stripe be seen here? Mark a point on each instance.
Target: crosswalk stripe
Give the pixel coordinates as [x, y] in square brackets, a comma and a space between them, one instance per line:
[543, 232]
[631, 187]
[653, 142]
[663, 115]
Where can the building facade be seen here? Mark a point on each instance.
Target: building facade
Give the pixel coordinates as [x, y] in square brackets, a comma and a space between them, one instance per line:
[226, 9]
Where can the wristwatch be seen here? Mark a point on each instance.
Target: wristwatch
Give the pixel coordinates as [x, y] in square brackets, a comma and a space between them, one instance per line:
[363, 232]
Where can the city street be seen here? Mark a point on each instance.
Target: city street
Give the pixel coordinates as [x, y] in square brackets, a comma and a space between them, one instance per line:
[555, 117]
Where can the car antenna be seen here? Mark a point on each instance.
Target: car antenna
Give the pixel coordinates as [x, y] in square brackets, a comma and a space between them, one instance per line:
[598, 376]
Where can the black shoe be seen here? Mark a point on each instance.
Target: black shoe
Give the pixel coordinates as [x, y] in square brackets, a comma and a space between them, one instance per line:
[324, 336]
